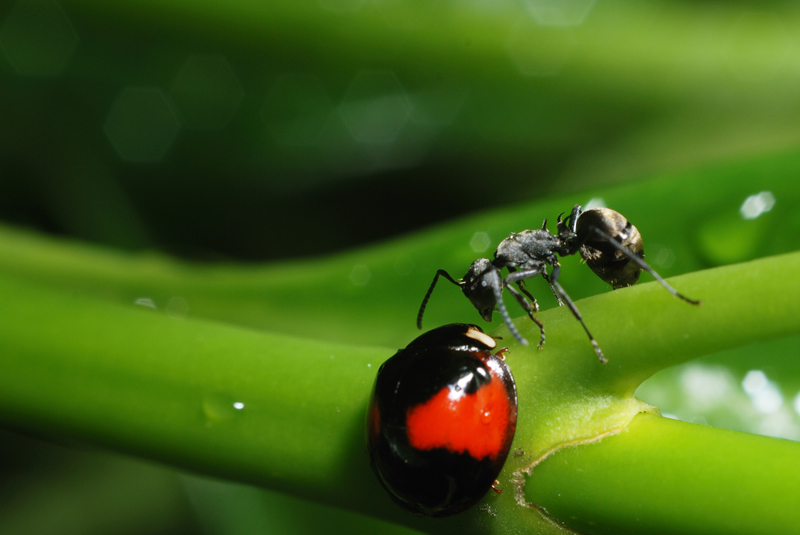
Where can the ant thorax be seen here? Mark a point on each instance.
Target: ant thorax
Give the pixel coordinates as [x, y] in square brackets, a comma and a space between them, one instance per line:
[526, 247]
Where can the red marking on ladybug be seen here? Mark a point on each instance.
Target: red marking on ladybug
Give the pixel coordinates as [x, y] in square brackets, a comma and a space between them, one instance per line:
[441, 420]
[459, 422]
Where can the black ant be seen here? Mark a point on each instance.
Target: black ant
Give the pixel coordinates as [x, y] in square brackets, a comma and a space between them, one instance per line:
[611, 246]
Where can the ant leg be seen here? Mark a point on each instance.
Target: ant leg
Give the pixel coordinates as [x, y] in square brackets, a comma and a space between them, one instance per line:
[521, 285]
[534, 303]
[493, 279]
[553, 289]
[518, 277]
[642, 264]
[554, 281]
[526, 306]
[447, 276]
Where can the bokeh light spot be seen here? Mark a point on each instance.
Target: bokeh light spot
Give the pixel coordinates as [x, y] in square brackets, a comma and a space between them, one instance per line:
[145, 302]
[141, 124]
[360, 275]
[37, 38]
[755, 205]
[754, 382]
[763, 393]
[480, 242]
[707, 387]
[796, 404]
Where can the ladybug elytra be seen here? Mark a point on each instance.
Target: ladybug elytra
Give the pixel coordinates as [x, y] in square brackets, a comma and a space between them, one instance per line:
[441, 420]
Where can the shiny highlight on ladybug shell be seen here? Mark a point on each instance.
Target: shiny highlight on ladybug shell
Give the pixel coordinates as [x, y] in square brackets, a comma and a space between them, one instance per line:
[441, 420]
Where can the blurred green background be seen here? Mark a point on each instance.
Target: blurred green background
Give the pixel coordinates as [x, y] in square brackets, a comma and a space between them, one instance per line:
[253, 130]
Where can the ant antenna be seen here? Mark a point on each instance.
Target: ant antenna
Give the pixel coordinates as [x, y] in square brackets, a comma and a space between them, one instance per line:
[447, 276]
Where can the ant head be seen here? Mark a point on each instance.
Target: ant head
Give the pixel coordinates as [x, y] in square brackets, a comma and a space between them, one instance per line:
[477, 286]
[594, 229]
[566, 228]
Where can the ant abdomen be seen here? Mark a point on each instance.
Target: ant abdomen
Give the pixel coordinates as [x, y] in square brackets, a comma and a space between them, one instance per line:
[606, 260]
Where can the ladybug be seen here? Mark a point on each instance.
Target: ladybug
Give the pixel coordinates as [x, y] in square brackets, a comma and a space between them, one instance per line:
[441, 420]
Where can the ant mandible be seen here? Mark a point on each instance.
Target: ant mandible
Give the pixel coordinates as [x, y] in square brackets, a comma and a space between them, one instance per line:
[611, 246]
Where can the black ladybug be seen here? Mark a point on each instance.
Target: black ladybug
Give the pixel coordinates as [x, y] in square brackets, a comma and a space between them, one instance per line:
[441, 420]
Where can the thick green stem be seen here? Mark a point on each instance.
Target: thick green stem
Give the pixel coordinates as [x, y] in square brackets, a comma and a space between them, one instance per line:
[275, 410]
[288, 413]
[685, 478]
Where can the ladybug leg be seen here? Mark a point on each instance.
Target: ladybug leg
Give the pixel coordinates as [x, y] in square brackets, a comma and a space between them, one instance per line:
[447, 276]
[554, 281]
[501, 353]
[496, 487]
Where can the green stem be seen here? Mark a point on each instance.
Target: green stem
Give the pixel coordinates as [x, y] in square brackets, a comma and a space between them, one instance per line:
[288, 413]
[691, 216]
[670, 477]
[269, 409]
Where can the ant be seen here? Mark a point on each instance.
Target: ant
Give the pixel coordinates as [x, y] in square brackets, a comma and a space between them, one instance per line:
[609, 244]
